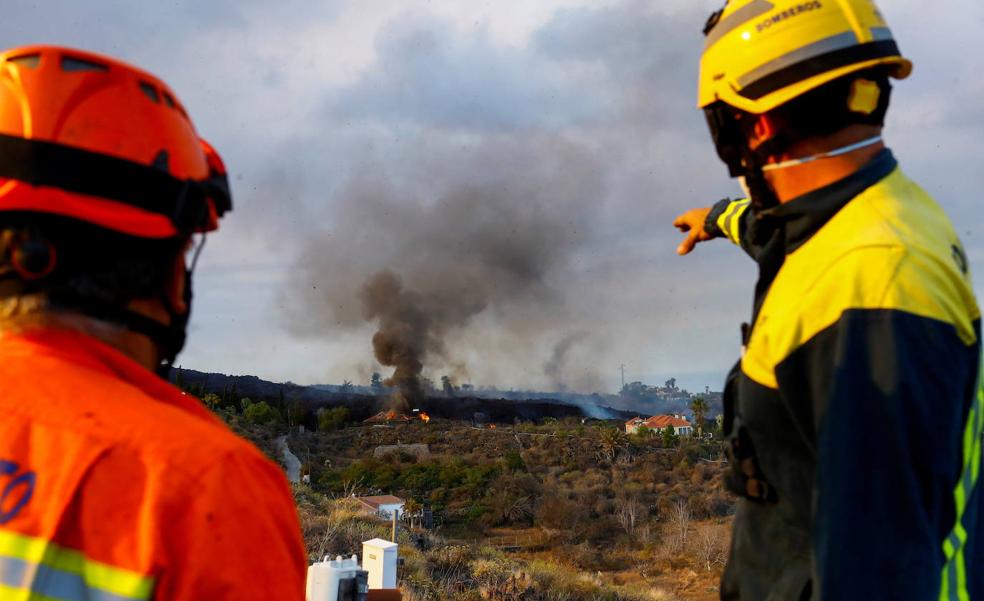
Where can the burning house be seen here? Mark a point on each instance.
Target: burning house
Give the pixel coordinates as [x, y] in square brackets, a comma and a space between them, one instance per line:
[393, 417]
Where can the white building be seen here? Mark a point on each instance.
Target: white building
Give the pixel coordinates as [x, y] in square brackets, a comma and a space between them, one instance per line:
[383, 505]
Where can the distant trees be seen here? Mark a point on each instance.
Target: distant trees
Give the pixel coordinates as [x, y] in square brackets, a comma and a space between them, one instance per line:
[448, 386]
[698, 407]
[212, 401]
[332, 419]
[297, 412]
[260, 413]
[376, 383]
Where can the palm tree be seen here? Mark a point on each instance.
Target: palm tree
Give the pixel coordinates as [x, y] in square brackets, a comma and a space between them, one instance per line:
[612, 441]
[698, 407]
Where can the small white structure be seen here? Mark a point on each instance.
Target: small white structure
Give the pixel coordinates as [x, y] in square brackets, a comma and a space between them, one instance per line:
[324, 578]
[379, 558]
[384, 505]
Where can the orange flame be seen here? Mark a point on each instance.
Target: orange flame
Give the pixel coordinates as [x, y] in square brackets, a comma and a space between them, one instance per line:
[424, 417]
[491, 426]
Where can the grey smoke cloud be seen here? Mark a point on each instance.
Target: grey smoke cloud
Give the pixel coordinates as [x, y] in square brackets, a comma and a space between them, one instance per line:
[492, 233]
[346, 124]
[490, 226]
[554, 367]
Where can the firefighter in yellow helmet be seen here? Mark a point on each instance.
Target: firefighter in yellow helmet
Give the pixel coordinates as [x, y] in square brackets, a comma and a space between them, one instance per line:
[853, 418]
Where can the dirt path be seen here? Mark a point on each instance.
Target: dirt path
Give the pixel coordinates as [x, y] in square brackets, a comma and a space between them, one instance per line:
[290, 460]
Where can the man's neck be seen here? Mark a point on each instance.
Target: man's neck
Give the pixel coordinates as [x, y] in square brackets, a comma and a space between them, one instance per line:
[793, 182]
[134, 345]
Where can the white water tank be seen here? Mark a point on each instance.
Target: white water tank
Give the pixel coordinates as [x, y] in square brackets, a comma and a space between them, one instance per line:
[379, 558]
[323, 577]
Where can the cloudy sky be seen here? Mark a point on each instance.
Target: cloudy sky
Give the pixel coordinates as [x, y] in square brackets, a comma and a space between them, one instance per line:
[515, 165]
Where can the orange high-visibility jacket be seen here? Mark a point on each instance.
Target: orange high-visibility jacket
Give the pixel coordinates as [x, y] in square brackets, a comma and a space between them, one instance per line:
[115, 485]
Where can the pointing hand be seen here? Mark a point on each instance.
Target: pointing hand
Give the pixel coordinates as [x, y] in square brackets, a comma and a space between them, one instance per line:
[692, 223]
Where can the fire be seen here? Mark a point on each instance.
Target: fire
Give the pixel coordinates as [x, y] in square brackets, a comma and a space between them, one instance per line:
[424, 417]
[491, 426]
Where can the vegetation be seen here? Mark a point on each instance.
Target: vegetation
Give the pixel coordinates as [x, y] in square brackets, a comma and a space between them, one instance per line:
[332, 419]
[556, 510]
[438, 569]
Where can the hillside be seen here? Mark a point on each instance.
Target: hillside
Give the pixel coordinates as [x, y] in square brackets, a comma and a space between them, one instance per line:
[521, 509]
[362, 405]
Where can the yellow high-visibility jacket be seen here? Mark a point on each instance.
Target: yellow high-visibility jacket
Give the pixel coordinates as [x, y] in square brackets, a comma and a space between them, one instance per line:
[853, 415]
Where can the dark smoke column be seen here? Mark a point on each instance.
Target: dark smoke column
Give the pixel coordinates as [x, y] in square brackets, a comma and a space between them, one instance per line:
[403, 335]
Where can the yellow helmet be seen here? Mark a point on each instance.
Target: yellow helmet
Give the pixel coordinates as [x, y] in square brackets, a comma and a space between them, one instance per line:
[760, 54]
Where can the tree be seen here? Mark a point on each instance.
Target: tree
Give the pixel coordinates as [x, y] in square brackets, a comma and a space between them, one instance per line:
[628, 511]
[332, 419]
[212, 401]
[680, 520]
[669, 437]
[514, 461]
[297, 412]
[260, 413]
[376, 383]
[447, 385]
[346, 387]
[698, 407]
[612, 441]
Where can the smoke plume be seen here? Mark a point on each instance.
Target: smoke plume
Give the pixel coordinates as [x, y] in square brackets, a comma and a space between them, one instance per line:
[484, 239]
[554, 367]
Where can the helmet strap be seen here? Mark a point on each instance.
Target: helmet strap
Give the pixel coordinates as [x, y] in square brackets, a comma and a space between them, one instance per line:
[823, 155]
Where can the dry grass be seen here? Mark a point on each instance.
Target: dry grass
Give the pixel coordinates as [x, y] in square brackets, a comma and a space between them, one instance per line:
[435, 570]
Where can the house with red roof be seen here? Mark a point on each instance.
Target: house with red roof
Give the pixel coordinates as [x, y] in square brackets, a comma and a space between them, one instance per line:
[681, 426]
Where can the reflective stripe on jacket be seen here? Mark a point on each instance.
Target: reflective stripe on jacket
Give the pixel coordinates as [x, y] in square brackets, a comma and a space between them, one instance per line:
[116, 486]
[858, 391]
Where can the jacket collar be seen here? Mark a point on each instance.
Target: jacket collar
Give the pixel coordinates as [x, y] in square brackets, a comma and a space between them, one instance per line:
[89, 353]
[804, 215]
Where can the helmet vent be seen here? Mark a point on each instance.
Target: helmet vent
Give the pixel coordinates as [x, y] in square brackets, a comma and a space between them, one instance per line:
[150, 91]
[168, 100]
[29, 61]
[72, 64]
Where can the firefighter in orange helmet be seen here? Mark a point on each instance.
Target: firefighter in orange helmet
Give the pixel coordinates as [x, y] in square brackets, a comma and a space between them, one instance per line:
[114, 484]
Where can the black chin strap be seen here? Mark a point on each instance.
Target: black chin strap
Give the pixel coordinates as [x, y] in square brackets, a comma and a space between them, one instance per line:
[169, 339]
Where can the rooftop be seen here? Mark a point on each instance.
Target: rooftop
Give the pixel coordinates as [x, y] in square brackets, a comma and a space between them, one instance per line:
[376, 502]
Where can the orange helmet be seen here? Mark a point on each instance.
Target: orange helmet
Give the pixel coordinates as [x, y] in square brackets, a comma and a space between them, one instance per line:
[92, 138]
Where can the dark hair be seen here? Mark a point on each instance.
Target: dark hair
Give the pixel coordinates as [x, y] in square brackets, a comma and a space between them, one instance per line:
[92, 262]
[824, 110]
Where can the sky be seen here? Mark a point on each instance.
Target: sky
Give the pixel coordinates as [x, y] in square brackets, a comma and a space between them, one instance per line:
[515, 166]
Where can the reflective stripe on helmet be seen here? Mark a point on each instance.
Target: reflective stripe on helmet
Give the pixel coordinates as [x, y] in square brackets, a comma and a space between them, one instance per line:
[820, 57]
